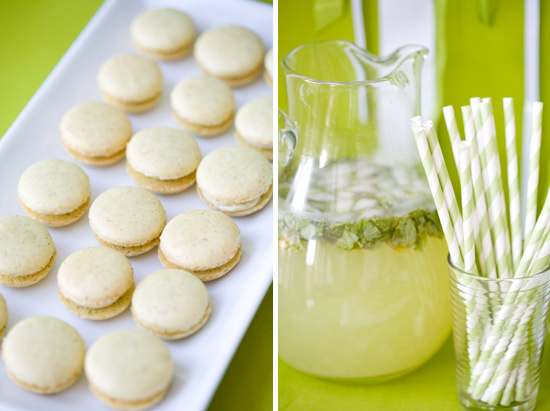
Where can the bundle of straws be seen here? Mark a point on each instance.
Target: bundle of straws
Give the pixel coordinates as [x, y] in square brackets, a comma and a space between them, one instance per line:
[485, 238]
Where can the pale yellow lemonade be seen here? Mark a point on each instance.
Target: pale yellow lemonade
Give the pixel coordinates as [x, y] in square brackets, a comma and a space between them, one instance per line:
[365, 300]
[362, 314]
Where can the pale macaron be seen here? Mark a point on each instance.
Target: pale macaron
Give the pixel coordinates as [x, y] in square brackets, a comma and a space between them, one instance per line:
[96, 283]
[127, 219]
[3, 316]
[28, 251]
[203, 105]
[254, 125]
[95, 133]
[163, 159]
[43, 354]
[207, 243]
[164, 34]
[55, 192]
[129, 369]
[236, 180]
[171, 304]
[234, 54]
[268, 67]
[131, 82]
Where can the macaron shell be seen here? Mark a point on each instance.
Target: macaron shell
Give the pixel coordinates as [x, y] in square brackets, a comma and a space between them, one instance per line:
[96, 129]
[171, 303]
[95, 277]
[129, 366]
[234, 174]
[229, 52]
[26, 245]
[127, 216]
[254, 122]
[163, 32]
[43, 354]
[200, 240]
[163, 153]
[130, 78]
[54, 186]
[203, 101]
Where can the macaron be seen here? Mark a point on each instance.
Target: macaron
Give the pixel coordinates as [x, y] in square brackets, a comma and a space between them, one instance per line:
[131, 82]
[95, 133]
[206, 243]
[3, 316]
[164, 34]
[203, 105]
[254, 125]
[236, 180]
[163, 159]
[171, 304]
[43, 354]
[55, 192]
[129, 369]
[231, 53]
[96, 283]
[28, 251]
[268, 67]
[127, 219]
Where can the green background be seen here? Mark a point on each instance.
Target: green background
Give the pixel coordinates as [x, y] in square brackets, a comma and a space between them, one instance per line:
[474, 59]
[34, 34]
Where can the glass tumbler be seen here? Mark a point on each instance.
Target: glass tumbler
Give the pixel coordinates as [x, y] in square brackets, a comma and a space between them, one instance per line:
[499, 328]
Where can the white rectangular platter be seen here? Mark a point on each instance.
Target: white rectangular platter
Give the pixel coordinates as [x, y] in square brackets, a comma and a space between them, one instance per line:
[200, 360]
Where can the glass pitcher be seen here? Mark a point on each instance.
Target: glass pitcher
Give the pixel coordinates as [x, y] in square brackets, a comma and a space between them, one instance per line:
[363, 288]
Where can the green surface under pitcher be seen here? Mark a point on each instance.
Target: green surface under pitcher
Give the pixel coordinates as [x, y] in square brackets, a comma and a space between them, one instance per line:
[363, 288]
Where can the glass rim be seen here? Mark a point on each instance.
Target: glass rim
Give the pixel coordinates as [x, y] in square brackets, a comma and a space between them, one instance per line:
[540, 273]
[388, 77]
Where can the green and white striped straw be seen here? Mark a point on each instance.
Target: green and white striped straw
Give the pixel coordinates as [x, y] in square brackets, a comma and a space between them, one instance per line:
[513, 181]
[497, 215]
[534, 160]
[446, 186]
[468, 211]
[420, 135]
[452, 128]
[484, 243]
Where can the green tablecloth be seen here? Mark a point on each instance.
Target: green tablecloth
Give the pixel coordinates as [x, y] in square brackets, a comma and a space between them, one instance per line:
[34, 34]
[431, 387]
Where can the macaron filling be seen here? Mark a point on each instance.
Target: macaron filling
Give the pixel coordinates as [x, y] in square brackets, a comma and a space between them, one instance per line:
[27, 279]
[205, 274]
[233, 206]
[102, 312]
[159, 185]
[57, 220]
[134, 105]
[171, 334]
[206, 129]
[129, 250]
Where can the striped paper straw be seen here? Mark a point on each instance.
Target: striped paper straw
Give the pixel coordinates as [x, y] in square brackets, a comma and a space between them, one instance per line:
[497, 215]
[420, 135]
[513, 181]
[468, 211]
[534, 160]
[452, 128]
[484, 243]
[446, 186]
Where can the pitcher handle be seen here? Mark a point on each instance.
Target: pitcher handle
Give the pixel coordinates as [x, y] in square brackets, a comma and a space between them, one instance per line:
[287, 138]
